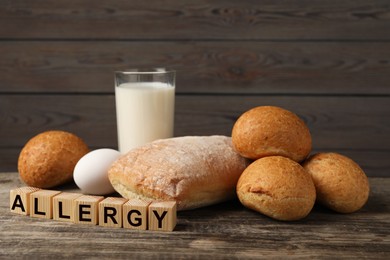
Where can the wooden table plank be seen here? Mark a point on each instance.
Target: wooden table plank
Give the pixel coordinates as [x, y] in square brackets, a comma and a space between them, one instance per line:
[239, 67]
[355, 126]
[335, 122]
[198, 19]
[226, 230]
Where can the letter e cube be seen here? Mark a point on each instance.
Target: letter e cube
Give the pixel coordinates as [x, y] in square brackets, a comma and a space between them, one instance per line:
[86, 209]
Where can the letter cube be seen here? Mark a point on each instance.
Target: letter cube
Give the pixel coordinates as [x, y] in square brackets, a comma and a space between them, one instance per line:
[86, 209]
[41, 203]
[162, 215]
[63, 206]
[20, 200]
[135, 214]
[110, 212]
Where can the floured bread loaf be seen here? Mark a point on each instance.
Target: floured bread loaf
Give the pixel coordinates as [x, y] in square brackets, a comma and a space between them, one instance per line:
[195, 171]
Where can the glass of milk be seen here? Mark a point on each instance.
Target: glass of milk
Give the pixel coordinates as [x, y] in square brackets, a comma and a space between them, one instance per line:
[145, 101]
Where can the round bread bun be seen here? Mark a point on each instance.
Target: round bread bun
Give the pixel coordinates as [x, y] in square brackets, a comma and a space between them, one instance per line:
[268, 130]
[340, 183]
[48, 159]
[277, 187]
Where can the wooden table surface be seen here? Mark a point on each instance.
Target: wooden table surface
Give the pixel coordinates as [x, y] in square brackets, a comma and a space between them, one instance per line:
[226, 230]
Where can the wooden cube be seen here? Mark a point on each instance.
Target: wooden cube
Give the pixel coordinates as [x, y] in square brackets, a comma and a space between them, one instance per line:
[41, 203]
[162, 216]
[63, 206]
[110, 212]
[135, 214]
[86, 209]
[20, 200]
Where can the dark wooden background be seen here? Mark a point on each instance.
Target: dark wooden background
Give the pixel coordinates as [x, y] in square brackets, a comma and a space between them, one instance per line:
[328, 61]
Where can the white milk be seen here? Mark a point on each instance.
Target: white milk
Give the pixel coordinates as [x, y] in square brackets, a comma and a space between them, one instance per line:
[145, 112]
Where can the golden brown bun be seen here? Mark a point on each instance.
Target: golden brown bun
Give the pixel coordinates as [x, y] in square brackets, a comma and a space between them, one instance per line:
[195, 171]
[340, 183]
[277, 187]
[268, 130]
[48, 159]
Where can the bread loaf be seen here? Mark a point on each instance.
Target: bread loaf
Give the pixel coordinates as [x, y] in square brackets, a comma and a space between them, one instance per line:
[194, 171]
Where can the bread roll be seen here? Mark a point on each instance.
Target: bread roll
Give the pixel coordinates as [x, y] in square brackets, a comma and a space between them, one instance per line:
[340, 183]
[277, 187]
[268, 130]
[194, 171]
[48, 159]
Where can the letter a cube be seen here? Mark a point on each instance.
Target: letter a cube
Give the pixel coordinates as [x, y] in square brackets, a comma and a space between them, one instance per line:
[20, 200]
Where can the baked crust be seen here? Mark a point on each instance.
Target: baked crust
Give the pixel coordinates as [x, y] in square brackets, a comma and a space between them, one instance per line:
[268, 131]
[195, 171]
[277, 187]
[48, 159]
[340, 183]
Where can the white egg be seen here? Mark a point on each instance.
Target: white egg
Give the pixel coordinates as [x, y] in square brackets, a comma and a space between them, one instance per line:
[91, 171]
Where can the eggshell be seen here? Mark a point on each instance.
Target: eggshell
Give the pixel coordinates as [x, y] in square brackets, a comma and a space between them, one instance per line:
[91, 171]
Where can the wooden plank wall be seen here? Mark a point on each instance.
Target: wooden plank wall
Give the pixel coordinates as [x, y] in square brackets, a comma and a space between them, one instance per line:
[328, 61]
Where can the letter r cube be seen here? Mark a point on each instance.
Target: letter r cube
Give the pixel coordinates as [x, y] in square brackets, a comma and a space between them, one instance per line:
[110, 212]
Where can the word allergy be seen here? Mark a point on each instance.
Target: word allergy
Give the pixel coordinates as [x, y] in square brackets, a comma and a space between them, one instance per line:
[94, 210]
